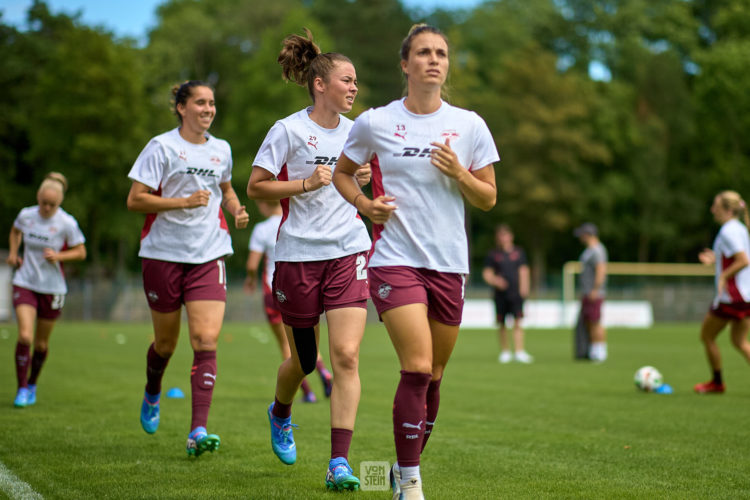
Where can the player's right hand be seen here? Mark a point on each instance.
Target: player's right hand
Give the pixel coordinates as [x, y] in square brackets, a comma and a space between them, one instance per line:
[198, 199]
[14, 261]
[321, 177]
[707, 256]
[380, 209]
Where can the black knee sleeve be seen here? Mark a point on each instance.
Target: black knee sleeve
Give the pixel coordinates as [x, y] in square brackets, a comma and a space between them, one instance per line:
[307, 350]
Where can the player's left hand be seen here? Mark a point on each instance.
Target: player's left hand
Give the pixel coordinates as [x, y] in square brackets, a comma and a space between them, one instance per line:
[241, 218]
[445, 159]
[51, 256]
[363, 174]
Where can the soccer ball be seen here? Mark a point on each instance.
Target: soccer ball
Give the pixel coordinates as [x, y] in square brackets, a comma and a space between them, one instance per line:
[648, 378]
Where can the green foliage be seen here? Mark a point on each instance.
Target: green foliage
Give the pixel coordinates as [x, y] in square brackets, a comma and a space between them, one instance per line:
[641, 153]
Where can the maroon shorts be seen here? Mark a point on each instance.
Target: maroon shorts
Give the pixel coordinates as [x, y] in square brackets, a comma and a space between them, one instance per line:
[443, 293]
[47, 305]
[168, 285]
[733, 311]
[591, 309]
[304, 290]
[269, 304]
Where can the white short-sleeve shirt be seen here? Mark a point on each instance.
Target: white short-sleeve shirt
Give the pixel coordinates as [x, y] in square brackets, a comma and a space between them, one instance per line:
[175, 168]
[320, 224]
[732, 239]
[427, 228]
[263, 240]
[58, 232]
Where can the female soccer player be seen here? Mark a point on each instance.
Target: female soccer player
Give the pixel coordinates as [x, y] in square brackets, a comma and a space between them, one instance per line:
[181, 180]
[321, 259]
[50, 237]
[731, 305]
[262, 246]
[425, 155]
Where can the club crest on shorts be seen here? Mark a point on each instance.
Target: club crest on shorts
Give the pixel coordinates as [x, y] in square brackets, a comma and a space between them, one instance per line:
[280, 296]
[152, 296]
[384, 290]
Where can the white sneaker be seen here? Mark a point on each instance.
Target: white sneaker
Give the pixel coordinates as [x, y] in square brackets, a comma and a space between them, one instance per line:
[411, 490]
[505, 357]
[395, 481]
[523, 357]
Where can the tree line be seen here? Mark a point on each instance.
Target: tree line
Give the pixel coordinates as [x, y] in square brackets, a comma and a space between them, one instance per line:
[638, 145]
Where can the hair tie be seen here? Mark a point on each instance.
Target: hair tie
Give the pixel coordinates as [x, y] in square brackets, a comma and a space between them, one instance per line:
[742, 204]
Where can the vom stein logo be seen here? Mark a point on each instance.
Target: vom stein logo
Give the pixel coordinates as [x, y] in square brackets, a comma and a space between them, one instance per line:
[374, 476]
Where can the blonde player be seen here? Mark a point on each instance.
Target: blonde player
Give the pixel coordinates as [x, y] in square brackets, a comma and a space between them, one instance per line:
[730, 255]
[321, 251]
[181, 180]
[262, 246]
[50, 236]
[426, 156]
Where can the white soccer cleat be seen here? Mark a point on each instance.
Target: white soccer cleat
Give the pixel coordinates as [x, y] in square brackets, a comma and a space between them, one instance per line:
[523, 357]
[411, 490]
[505, 357]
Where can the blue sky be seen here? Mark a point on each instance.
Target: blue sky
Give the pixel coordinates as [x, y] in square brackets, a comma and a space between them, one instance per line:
[134, 17]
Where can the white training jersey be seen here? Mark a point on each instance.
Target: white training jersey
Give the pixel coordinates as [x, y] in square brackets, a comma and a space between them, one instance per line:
[263, 240]
[175, 168]
[320, 224]
[427, 228]
[732, 239]
[58, 232]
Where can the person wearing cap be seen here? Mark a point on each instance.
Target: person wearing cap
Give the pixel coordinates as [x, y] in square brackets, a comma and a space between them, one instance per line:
[593, 286]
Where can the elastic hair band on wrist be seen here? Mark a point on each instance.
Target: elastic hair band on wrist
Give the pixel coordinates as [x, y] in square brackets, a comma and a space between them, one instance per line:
[303, 186]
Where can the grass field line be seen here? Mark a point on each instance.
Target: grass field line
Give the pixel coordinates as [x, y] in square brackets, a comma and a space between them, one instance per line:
[14, 487]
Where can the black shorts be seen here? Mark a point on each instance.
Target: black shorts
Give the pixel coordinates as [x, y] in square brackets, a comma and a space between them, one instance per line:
[506, 304]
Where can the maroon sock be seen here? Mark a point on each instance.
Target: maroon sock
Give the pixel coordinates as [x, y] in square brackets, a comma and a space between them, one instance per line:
[155, 366]
[409, 415]
[433, 402]
[37, 360]
[341, 439]
[22, 364]
[202, 381]
[281, 410]
[305, 387]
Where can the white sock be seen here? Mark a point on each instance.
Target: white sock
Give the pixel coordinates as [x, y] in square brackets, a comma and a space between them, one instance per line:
[409, 473]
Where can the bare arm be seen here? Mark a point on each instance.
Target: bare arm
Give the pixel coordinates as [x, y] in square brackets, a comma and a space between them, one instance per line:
[252, 265]
[264, 186]
[739, 262]
[14, 244]
[524, 281]
[77, 252]
[141, 199]
[477, 186]
[232, 204]
[345, 178]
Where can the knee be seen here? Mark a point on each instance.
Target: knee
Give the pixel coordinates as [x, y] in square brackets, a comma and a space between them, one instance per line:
[41, 345]
[165, 347]
[345, 360]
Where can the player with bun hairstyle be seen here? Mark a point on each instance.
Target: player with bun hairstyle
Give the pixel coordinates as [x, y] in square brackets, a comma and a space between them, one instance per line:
[730, 254]
[50, 236]
[321, 248]
[262, 247]
[426, 155]
[181, 181]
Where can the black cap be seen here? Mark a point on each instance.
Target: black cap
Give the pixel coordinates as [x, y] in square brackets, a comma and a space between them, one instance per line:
[586, 228]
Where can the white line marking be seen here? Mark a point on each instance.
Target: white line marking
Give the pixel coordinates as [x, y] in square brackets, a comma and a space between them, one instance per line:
[14, 487]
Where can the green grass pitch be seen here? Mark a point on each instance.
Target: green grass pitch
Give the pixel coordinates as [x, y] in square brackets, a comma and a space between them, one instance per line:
[554, 429]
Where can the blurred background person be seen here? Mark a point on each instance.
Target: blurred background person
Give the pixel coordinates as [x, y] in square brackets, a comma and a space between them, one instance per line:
[506, 270]
[50, 236]
[731, 305]
[262, 245]
[593, 288]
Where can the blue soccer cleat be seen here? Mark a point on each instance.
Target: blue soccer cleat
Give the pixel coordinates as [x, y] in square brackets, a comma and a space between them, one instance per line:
[309, 398]
[340, 476]
[199, 442]
[282, 439]
[150, 412]
[22, 398]
[32, 395]
[395, 476]
[327, 380]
